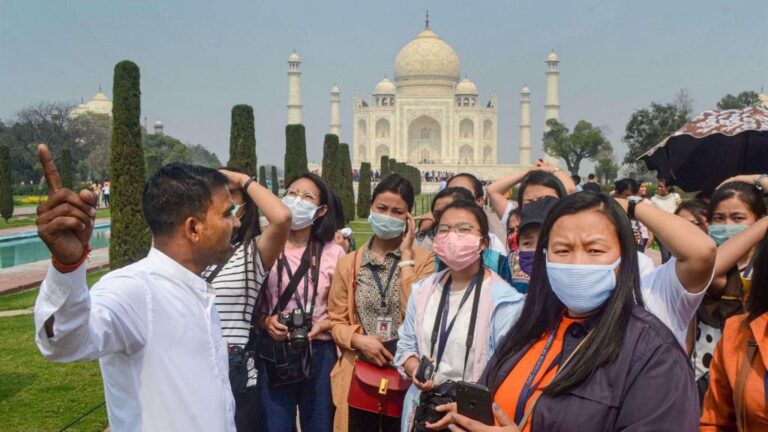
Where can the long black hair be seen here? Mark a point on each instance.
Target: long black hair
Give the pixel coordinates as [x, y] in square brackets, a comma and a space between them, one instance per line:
[757, 301]
[543, 310]
[456, 193]
[541, 178]
[324, 227]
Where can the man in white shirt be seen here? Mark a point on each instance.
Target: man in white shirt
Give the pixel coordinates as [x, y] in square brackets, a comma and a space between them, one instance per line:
[153, 325]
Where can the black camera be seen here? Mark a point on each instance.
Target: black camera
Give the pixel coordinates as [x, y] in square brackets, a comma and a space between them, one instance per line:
[298, 323]
[426, 411]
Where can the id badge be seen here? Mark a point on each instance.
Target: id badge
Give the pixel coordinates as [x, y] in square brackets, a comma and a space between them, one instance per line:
[384, 327]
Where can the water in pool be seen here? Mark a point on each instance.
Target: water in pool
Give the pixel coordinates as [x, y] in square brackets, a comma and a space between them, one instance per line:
[17, 251]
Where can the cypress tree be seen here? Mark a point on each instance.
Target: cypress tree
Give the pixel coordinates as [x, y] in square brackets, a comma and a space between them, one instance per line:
[295, 151]
[364, 191]
[331, 169]
[6, 188]
[275, 184]
[391, 166]
[346, 189]
[263, 176]
[242, 140]
[66, 168]
[384, 166]
[130, 237]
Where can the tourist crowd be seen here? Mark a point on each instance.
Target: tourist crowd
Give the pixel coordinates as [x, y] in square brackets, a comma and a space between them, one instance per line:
[560, 323]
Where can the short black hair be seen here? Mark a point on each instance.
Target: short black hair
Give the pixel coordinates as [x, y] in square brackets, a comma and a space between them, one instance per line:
[476, 183]
[591, 176]
[625, 184]
[541, 178]
[576, 179]
[457, 193]
[178, 191]
[397, 184]
[324, 227]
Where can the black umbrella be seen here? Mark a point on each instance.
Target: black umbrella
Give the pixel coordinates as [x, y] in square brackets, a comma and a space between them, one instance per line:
[710, 148]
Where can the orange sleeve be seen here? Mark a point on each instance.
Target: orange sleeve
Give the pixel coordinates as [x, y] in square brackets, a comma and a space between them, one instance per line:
[342, 328]
[423, 267]
[718, 413]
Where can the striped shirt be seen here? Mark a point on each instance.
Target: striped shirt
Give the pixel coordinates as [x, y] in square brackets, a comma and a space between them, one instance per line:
[234, 301]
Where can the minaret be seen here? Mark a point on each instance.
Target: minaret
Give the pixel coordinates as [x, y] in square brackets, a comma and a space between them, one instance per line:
[335, 119]
[525, 126]
[552, 105]
[294, 89]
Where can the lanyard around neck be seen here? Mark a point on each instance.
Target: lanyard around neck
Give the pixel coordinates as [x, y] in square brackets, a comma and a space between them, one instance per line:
[441, 330]
[383, 289]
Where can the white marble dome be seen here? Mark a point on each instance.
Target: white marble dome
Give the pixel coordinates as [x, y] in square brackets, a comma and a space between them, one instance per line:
[294, 57]
[427, 56]
[466, 87]
[385, 87]
[552, 57]
[99, 104]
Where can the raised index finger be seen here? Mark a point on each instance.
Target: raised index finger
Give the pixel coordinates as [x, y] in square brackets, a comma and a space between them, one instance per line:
[49, 169]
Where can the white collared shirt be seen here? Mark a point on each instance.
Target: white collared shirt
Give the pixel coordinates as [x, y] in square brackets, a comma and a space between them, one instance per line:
[154, 327]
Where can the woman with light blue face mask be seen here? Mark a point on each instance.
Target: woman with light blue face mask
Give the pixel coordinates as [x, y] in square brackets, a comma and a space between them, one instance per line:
[369, 296]
[585, 354]
[737, 223]
[296, 351]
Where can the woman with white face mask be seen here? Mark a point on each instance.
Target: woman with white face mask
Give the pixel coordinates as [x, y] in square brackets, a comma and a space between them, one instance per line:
[369, 295]
[584, 353]
[296, 349]
[456, 317]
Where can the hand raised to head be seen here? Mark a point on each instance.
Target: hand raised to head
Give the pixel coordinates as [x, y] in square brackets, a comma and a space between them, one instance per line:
[65, 220]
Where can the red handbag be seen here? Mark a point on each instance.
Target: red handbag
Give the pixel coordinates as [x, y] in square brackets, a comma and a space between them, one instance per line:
[377, 390]
[374, 389]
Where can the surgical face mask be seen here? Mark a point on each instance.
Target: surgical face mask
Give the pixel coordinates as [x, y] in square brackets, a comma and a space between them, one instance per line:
[302, 212]
[457, 252]
[386, 227]
[526, 261]
[721, 233]
[582, 287]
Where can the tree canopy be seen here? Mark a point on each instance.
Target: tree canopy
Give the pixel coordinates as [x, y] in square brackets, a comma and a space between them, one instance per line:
[649, 126]
[585, 142]
[742, 100]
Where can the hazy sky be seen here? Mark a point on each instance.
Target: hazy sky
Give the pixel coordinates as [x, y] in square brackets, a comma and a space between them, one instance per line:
[197, 58]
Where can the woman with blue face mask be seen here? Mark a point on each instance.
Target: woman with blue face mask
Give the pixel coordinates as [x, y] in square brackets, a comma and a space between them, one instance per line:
[369, 296]
[736, 223]
[585, 354]
[296, 350]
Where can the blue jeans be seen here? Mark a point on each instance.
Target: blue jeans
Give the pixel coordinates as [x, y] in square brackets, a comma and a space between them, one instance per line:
[312, 396]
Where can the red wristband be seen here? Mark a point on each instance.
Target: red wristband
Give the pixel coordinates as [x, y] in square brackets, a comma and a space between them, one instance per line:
[68, 268]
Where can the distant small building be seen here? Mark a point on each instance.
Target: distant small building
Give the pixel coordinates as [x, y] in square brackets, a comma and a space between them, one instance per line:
[99, 104]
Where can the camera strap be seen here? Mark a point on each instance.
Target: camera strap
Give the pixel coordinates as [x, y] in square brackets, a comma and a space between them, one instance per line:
[293, 283]
[442, 329]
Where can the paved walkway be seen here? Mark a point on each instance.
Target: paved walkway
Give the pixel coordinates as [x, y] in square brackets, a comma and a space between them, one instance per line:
[25, 276]
[24, 211]
[33, 227]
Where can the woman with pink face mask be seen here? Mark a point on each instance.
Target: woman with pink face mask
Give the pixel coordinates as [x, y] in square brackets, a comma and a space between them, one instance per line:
[456, 317]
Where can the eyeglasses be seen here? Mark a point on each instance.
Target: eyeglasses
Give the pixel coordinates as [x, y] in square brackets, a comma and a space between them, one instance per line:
[461, 229]
[305, 196]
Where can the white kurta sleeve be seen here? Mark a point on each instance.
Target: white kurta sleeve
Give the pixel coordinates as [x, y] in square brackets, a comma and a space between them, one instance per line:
[112, 318]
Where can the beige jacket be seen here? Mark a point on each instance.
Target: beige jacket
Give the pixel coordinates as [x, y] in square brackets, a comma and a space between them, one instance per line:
[342, 311]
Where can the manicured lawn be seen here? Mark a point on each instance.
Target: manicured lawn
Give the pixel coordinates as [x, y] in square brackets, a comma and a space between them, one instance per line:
[36, 394]
[22, 221]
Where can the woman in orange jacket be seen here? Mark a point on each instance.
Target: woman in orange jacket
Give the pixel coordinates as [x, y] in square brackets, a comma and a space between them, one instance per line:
[737, 398]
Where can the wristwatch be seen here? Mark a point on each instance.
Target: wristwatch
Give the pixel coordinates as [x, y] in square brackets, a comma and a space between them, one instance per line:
[408, 263]
[759, 183]
[631, 204]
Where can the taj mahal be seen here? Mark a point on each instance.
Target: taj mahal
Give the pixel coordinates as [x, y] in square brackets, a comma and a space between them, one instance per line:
[428, 116]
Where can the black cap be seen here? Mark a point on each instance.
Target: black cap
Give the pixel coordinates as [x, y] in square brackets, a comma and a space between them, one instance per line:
[535, 212]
